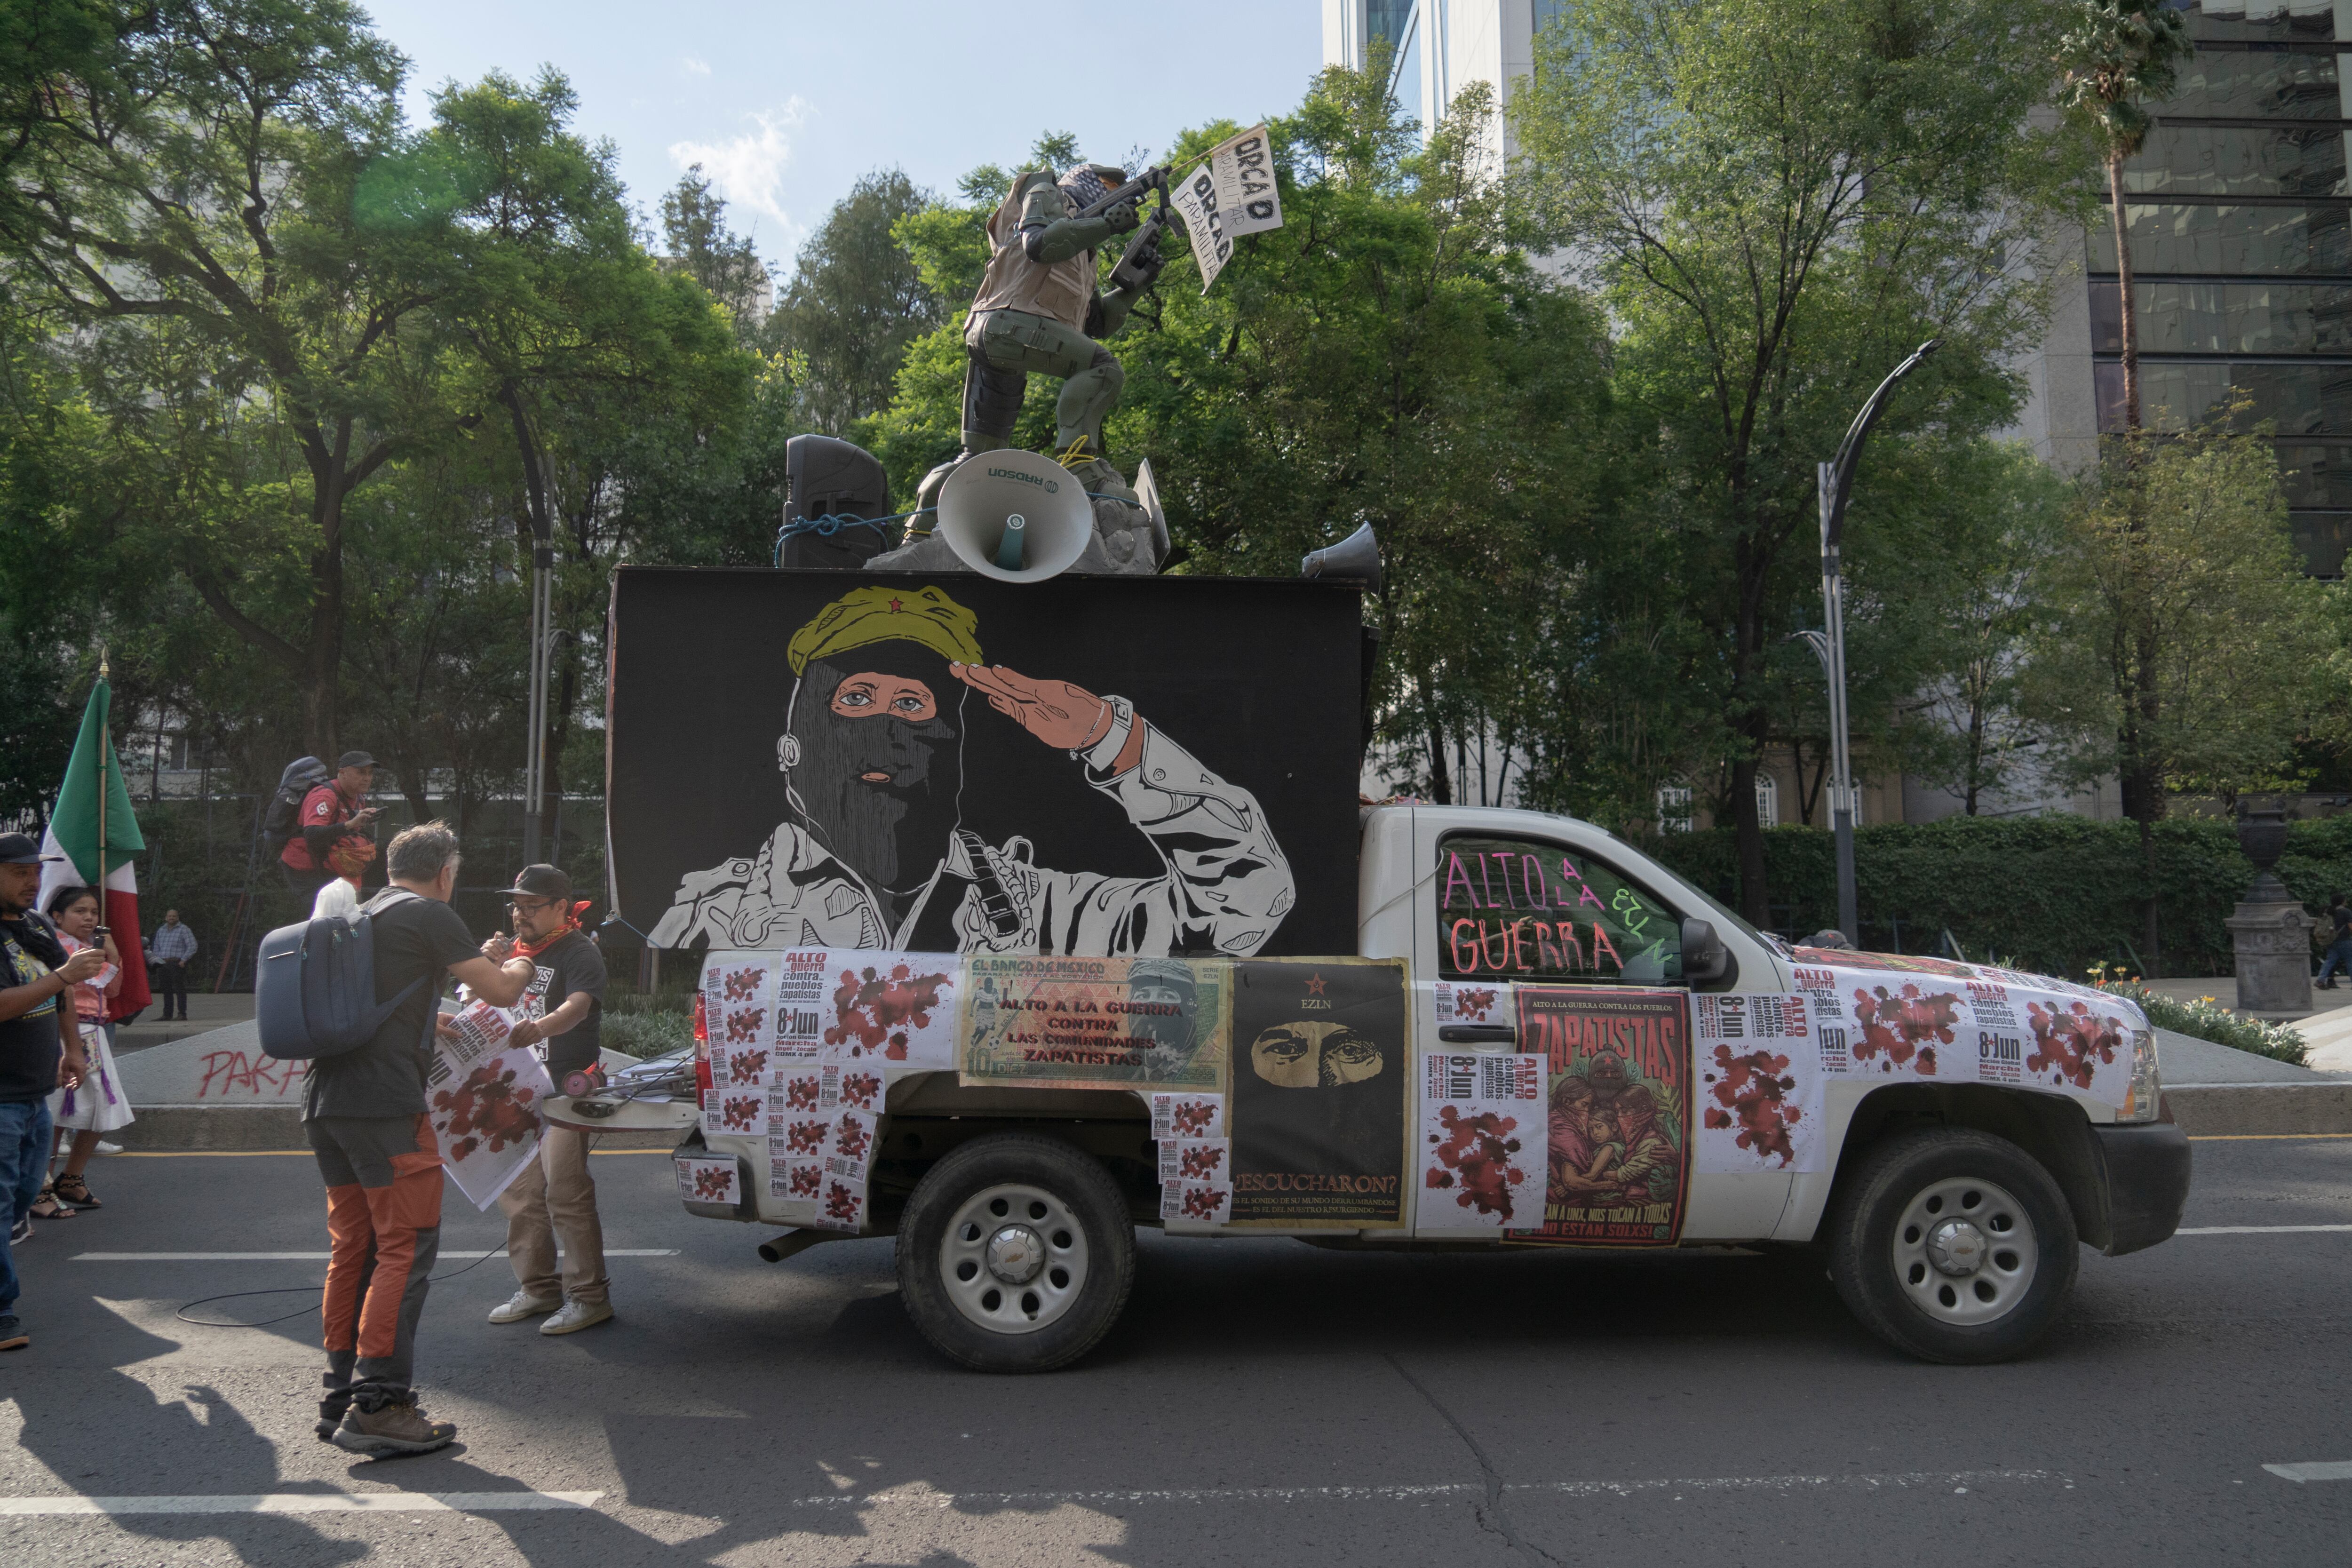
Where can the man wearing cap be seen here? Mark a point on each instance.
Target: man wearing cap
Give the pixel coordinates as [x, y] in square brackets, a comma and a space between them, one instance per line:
[554, 1196]
[326, 843]
[875, 855]
[40, 1048]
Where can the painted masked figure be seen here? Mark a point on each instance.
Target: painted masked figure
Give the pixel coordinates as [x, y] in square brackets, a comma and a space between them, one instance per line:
[1038, 309]
[874, 854]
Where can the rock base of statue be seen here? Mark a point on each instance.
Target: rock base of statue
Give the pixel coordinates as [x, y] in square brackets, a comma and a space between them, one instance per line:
[1124, 545]
[2272, 938]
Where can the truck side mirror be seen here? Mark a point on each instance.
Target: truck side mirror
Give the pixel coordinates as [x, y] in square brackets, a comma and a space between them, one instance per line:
[1703, 958]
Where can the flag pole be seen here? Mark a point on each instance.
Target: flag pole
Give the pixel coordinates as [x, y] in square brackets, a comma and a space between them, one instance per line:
[105, 747]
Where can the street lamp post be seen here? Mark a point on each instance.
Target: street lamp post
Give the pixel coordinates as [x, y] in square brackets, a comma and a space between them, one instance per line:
[1835, 478]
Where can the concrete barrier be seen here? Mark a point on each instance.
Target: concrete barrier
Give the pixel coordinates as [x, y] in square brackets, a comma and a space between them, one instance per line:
[2256, 1110]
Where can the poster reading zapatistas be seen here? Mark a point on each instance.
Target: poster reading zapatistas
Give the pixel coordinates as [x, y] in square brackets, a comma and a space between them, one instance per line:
[1617, 1109]
[1322, 1074]
[485, 1099]
[1093, 1023]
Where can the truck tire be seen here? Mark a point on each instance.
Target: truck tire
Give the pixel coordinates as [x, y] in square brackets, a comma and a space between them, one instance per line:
[1953, 1245]
[1015, 1254]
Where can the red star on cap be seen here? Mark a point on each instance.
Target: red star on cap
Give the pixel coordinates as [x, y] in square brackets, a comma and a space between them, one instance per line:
[1315, 986]
[895, 606]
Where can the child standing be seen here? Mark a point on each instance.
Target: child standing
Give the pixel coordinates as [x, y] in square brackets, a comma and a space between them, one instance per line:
[96, 1105]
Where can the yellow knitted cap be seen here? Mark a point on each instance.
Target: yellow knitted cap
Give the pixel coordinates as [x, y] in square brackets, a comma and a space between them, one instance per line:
[863, 615]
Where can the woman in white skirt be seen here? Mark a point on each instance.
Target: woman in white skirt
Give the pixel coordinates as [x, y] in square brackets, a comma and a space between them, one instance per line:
[97, 1105]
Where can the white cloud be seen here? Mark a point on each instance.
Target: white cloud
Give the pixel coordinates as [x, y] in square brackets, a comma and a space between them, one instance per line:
[696, 67]
[748, 170]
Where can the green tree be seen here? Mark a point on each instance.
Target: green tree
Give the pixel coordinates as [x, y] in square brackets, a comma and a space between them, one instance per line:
[1777, 201]
[694, 224]
[2114, 55]
[857, 299]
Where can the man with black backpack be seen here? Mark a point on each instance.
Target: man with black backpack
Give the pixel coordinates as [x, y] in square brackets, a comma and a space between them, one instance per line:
[364, 1112]
[325, 836]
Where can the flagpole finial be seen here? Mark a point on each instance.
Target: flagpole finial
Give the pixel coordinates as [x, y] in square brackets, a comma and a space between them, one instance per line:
[102, 661]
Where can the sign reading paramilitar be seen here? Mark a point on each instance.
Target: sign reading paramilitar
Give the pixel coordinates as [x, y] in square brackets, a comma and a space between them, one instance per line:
[1075, 767]
[1322, 1071]
[1617, 1109]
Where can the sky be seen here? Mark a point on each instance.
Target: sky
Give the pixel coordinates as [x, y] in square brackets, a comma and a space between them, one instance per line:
[786, 102]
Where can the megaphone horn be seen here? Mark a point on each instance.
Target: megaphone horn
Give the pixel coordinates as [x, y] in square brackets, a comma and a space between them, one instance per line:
[1014, 516]
[1358, 556]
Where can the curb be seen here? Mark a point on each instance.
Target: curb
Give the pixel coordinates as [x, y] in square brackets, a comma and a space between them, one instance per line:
[2226, 1110]
[172, 1128]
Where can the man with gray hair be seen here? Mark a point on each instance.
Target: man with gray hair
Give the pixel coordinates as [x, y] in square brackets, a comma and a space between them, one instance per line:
[364, 1115]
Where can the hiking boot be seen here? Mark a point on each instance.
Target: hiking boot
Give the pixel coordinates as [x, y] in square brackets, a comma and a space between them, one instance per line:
[523, 1304]
[13, 1336]
[576, 1316]
[395, 1428]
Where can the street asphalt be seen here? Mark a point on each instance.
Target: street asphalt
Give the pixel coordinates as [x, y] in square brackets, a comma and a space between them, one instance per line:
[1262, 1401]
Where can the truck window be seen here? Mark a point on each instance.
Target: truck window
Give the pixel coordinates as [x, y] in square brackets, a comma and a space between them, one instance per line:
[1521, 909]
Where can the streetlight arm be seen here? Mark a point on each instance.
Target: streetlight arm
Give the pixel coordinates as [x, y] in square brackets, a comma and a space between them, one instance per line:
[1849, 452]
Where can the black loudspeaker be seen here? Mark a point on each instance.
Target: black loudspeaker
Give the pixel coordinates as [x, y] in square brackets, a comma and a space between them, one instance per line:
[1356, 558]
[829, 479]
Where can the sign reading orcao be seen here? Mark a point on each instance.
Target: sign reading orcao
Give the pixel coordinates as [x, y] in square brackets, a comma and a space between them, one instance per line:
[1094, 1022]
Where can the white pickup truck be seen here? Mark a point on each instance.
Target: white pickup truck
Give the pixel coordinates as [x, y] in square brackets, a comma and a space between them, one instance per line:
[1946, 1134]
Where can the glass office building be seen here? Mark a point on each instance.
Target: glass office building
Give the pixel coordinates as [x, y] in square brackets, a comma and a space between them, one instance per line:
[2239, 219]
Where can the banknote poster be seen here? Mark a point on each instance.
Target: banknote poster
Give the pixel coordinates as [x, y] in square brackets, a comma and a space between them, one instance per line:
[1482, 1141]
[485, 1101]
[1618, 1112]
[1760, 1083]
[1321, 1078]
[1094, 1023]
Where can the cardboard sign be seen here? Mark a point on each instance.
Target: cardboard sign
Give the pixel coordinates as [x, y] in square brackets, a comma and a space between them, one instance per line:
[1322, 1072]
[1248, 201]
[1617, 1105]
[795, 763]
[1196, 201]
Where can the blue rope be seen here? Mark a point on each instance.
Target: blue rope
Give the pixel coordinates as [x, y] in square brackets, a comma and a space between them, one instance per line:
[832, 523]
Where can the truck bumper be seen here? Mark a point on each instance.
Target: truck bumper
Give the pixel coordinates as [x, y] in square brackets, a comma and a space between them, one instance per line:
[2145, 1172]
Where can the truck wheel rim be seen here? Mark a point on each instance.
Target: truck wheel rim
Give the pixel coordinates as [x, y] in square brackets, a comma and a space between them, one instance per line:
[1014, 1258]
[1965, 1252]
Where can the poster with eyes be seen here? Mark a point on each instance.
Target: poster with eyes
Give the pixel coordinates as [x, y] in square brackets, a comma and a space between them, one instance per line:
[1128, 768]
[1321, 1076]
[1617, 1112]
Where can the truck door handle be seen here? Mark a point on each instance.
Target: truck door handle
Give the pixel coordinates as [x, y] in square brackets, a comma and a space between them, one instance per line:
[1469, 1034]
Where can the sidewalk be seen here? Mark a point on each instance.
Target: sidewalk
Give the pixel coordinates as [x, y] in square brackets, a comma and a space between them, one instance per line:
[205, 1010]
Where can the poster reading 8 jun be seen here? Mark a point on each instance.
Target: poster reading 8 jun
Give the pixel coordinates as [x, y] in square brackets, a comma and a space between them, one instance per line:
[1760, 1083]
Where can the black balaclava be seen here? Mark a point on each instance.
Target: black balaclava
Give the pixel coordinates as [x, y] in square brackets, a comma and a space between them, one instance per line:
[892, 834]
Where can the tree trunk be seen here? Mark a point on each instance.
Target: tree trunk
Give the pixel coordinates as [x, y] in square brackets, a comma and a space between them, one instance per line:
[2126, 310]
[1751, 722]
[1440, 788]
[322, 660]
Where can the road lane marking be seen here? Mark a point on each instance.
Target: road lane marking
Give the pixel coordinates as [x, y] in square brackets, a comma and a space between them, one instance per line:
[2260, 1136]
[921, 1496]
[315, 1257]
[2256, 1229]
[303, 1502]
[306, 1153]
[2314, 1470]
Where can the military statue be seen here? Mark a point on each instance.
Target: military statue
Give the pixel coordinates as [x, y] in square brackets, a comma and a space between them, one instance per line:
[1038, 309]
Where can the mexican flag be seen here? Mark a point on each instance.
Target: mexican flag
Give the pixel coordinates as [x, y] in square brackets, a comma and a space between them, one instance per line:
[93, 823]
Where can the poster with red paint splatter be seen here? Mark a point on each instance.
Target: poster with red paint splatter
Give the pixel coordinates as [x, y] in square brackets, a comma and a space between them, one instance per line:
[1177, 1115]
[484, 1102]
[1760, 1083]
[707, 1181]
[1482, 1142]
[898, 1007]
[1195, 1203]
[1618, 1112]
[842, 1205]
[794, 1179]
[1473, 1002]
[1920, 1027]
[2080, 1044]
[1094, 1023]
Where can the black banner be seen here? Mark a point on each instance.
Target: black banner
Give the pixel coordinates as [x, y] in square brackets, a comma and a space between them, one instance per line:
[1078, 766]
[1322, 1069]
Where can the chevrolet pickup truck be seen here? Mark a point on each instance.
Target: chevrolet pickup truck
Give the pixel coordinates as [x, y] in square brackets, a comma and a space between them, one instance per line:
[1596, 1053]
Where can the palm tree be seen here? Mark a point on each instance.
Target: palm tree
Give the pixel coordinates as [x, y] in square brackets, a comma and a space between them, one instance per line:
[2116, 54]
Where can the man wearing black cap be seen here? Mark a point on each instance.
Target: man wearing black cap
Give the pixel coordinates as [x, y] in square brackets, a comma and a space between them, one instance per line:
[324, 844]
[554, 1196]
[40, 1048]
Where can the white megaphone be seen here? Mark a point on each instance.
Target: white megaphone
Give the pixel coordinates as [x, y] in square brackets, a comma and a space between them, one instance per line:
[1014, 516]
[1356, 557]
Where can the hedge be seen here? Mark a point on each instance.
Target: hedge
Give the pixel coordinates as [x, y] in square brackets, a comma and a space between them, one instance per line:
[2055, 894]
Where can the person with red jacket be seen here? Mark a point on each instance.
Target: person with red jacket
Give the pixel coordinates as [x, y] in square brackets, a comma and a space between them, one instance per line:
[325, 844]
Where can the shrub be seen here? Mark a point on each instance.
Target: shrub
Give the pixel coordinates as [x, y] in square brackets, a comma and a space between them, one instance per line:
[2206, 1019]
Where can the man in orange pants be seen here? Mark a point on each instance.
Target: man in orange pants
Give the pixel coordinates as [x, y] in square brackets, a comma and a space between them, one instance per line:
[364, 1114]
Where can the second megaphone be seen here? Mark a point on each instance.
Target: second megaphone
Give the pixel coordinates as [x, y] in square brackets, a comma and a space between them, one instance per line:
[1014, 516]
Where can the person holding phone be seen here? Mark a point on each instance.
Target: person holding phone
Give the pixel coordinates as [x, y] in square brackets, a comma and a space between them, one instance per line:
[336, 833]
[40, 1049]
[96, 1104]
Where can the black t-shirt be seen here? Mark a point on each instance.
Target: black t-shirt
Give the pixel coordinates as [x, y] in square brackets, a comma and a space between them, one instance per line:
[30, 1048]
[415, 939]
[2342, 915]
[571, 963]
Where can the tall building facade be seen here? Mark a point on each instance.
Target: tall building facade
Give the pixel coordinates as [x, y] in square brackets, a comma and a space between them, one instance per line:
[2240, 220]
[1440, 46]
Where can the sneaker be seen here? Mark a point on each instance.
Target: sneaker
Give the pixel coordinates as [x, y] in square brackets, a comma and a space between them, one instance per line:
[523, 1304]
[399, 1429]
[22, 1232]
[13, 1336]
[576, 1316]
[104, 1147]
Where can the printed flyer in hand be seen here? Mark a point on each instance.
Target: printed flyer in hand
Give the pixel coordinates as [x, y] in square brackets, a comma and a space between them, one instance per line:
[485, 1098]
